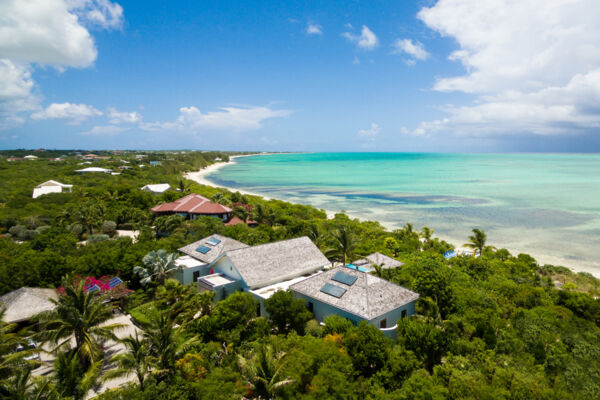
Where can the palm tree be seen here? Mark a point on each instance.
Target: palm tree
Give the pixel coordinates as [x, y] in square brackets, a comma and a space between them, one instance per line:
[263, 372]
[9, 340]
[426, 233]
[21, 386]
[166, 342]
[314, 233]
[183, 186]
[71, 379]
[344, 246]
[477, 240]
[263, 214]
[78, 314]
[135, 359]
[220, 198]
[379, 270]
[159, 265]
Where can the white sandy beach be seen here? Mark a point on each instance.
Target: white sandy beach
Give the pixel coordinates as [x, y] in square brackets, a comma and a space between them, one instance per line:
[200, 176]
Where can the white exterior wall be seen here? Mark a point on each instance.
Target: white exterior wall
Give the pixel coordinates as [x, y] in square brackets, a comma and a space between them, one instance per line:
[186, 275]
[225, 267]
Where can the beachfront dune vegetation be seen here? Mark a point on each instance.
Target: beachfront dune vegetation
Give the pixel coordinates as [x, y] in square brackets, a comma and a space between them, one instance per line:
[497, 326]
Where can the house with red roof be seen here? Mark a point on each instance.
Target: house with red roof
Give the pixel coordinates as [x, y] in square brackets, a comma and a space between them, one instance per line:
[194, 206]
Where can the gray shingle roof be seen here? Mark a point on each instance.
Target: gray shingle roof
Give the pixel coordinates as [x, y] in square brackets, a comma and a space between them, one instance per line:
[368, 298]
[270, 263]
[24, 303]
[226, 244]
[378, 259]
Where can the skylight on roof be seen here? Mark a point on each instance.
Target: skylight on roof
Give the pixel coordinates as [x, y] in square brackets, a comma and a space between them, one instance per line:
[333, 290]
[203, 249]
[116, 281]
[344, 278]
[213, 241]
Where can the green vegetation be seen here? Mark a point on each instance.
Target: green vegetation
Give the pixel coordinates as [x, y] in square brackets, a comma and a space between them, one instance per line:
[498, 326]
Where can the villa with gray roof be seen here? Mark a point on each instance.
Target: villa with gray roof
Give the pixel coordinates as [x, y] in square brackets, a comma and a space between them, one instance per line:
[224, 266]
[357, 296]
[200, 254]
[261, 270]
[263, 265]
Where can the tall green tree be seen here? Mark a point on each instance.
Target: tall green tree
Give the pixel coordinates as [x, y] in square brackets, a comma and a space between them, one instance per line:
[22, 386]
[81, 315]
[287, 313]
[135, 358]
[10, 360]
[72, 380]
[477, 240]
[263, 371]
[159, 265]
[343, 247]
[166, 342]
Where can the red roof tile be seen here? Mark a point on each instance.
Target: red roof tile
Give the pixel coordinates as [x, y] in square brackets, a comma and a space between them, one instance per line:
[192, 204]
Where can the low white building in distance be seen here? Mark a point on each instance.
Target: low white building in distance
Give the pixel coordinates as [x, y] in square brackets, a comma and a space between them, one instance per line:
[93, 169]
[157, 189]
[50, 187]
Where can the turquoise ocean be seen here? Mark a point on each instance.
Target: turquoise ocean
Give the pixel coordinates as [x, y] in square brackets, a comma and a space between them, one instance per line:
[547, 205]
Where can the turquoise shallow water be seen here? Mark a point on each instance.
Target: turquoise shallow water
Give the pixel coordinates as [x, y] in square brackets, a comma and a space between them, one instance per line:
[547, 205]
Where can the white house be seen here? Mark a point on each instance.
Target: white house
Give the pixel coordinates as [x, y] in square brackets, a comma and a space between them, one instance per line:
[157, 189]
[93, 169]
[50, 187]
[30, 157]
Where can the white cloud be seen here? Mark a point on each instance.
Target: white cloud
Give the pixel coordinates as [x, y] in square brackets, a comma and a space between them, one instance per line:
[106, 130]
[102, 13]
[371, 133]
[314, 29]
[534, 65]
[45, 32]
[75, 113]
[15, 93]
[118, 117]
[414, 49]
[236, 118]
[367, 40]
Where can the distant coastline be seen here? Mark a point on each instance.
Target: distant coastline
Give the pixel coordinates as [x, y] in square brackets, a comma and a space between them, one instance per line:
[376, 213]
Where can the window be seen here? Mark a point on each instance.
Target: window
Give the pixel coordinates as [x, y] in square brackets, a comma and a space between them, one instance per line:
[196, 275]
[258, 309]
[311, 306]
[403, 314]
[383, 323]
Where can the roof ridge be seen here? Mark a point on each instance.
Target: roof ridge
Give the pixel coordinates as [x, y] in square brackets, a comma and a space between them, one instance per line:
[271, 243]
[367, 291]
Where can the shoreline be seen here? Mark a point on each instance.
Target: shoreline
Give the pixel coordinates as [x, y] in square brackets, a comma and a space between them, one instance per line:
[200, 177]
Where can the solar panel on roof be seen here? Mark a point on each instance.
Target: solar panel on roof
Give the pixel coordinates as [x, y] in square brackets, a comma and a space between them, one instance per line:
[344, 278]
[94, 288]
[203, 249]
[213, 241]
[114, 282]
[333, 290]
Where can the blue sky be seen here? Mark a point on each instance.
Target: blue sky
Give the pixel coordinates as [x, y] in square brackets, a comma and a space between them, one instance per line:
[447, 75]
